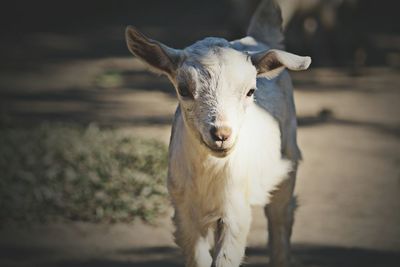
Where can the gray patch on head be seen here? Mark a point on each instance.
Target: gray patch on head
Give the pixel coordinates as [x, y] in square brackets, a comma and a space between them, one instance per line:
[204, 46]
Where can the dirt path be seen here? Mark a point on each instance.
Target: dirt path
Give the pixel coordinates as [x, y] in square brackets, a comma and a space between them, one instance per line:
[348, 184]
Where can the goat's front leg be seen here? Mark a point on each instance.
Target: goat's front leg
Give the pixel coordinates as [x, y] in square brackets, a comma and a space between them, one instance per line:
[280, 213]
[193, 241]
[230, 239]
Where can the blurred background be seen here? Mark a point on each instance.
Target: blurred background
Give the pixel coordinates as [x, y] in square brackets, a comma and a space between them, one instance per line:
[85, 127]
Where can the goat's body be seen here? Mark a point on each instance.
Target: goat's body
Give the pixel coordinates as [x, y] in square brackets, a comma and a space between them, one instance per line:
[206, 190]
[232, 146]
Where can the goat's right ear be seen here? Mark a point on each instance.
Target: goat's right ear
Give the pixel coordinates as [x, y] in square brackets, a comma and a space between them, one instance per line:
[159, 57]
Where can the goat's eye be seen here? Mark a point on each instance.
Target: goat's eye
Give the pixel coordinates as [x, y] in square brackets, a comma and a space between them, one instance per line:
[184, 91]
[250, 92]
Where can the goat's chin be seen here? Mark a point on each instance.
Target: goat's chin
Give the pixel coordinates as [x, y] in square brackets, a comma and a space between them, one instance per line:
[220, 153]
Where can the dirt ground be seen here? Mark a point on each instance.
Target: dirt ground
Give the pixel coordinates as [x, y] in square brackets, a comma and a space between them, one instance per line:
[348, 183]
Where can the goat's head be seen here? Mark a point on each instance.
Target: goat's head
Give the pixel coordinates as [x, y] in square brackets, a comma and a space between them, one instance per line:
[214, 82]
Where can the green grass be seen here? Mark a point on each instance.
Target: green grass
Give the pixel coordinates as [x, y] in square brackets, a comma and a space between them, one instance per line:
[60, 172]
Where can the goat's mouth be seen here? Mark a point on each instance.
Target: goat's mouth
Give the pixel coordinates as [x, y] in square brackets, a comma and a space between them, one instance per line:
[218, 152]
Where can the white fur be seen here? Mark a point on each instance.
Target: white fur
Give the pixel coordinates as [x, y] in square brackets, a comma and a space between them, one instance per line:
[212, 194]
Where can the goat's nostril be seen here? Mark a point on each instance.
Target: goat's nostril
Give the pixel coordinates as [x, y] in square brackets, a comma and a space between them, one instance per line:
[220, 133]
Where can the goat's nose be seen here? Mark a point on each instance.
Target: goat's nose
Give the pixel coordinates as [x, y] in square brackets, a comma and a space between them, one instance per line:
[220, 133]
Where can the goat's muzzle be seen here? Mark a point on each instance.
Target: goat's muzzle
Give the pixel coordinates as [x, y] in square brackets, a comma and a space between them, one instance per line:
[220, 145]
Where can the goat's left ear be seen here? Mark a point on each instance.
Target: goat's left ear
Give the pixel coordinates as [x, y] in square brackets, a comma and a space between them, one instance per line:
[272, 62]
[159, 57]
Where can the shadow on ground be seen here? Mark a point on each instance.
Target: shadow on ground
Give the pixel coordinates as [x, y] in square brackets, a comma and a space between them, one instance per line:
[326, 116]
[303, 255]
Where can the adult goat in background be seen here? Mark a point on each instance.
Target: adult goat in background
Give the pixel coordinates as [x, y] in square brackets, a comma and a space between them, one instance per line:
[233, 141]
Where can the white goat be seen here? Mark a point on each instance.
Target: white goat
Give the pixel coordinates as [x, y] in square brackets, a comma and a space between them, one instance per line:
[233, 139]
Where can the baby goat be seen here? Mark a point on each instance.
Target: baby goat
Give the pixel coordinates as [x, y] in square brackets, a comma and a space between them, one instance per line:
[233, 139]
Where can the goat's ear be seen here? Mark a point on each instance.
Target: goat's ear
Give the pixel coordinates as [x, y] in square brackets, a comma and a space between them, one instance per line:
[272, 62]
[159, 57]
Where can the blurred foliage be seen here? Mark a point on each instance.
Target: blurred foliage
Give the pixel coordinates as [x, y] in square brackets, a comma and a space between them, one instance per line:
[109, 79]
[58, 172]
